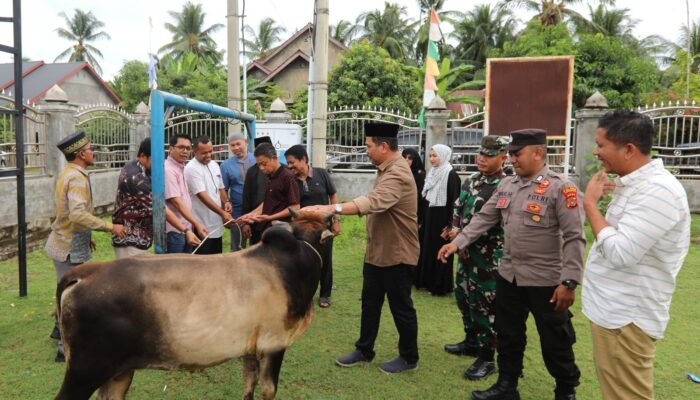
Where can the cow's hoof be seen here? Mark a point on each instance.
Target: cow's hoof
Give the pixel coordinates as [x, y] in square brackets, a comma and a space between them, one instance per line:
[352, 359]
[397, 365]
[324, 302]
[55, 333]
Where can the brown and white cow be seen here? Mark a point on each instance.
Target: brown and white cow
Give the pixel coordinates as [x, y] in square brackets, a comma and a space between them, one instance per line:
[189, 312]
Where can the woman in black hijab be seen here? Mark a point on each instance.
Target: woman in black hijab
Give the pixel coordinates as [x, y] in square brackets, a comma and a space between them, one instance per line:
[414, 161]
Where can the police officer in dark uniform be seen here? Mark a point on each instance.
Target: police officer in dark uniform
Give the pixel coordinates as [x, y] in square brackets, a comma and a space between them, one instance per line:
[540, 268]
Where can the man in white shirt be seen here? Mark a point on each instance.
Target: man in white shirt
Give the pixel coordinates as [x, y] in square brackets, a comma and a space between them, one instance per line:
[640, 246]
[210, 202]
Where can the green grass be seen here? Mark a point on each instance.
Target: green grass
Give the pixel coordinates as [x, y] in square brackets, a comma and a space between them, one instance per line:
[27, 370]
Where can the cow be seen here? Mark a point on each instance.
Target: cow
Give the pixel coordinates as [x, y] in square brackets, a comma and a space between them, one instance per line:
[190, 312]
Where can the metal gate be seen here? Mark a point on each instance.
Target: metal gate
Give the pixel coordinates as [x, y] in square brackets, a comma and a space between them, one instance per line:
[108, 129]
[34, 138]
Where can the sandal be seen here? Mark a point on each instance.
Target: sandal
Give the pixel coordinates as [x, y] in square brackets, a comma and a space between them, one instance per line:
[324, 302]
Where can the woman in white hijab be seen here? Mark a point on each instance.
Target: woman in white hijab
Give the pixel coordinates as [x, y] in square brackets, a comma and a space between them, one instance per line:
[442, 187]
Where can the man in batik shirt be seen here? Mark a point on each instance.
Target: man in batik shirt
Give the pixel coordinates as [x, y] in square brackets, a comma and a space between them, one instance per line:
[475, 286]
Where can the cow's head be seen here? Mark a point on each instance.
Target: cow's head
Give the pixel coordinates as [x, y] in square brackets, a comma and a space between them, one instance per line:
[312, 227]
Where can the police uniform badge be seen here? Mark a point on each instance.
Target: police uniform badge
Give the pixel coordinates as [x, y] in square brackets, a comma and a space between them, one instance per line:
[571, 195]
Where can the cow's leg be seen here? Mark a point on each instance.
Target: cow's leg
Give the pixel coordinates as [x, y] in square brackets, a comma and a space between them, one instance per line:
[116, 388]
[270, 366]
[251, 371]
[78, 385]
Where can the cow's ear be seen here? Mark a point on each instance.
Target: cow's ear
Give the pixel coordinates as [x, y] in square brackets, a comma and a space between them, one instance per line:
[326, 234]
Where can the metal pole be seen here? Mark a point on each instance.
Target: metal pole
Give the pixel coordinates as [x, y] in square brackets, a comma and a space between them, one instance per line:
[689, 58]
[19, 137]
[234, 62]
[320, 84]
[245, 65]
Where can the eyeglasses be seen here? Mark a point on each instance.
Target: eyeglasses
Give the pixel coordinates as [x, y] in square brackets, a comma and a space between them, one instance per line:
[185, 148]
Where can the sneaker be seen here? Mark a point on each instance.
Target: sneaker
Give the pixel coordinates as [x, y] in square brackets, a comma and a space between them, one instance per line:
[480, 370]
[55, 333]
[352, 359]
[396, 366]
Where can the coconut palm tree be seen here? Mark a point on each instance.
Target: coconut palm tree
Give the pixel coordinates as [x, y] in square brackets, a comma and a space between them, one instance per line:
[344, 31]
[552, 12]
[265, 40]
[608, 22]
[388, 29]
[482, 29]
[82, 28]
[189, 35]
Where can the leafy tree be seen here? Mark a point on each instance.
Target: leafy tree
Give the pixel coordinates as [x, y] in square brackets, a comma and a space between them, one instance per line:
[482, 29]
[608, 22]
[368, 76]
[344, 31]
[131, 84]
[300, 102]
[82, 28]
[538, 40]
[190, 36]
[265, 40]
[608, 65]
[388, 29]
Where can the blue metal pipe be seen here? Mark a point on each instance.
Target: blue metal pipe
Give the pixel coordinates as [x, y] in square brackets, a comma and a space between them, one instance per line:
[159, 100]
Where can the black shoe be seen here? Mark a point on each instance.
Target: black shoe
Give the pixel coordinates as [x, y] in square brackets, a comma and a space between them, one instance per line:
[397, 365]
[480, 370]
[352, 359]
[467, 347]
[505, 389]
[60, 357]
[55, 333]
[570, 396]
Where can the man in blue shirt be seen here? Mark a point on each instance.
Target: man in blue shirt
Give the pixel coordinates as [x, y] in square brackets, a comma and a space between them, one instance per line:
[233, 172]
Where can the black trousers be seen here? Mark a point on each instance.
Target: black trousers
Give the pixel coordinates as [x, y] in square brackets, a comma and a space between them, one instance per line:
[327, 269]
[395, 282]
[513, 303]
[211, 246]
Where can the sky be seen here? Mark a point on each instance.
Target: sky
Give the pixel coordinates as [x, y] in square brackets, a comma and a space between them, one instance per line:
[126, 21]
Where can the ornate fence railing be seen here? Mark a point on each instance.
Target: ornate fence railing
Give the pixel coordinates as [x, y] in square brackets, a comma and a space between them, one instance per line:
[34, 138]
[677, 136]
[196, 124]
[108, 129]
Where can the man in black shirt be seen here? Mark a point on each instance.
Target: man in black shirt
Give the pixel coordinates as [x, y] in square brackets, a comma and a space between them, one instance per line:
[316, 188]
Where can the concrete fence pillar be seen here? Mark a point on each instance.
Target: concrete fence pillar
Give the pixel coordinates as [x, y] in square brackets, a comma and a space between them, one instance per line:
[278, 113]
[436, 116]
[139, 128]
[586, 125]
[60, 122]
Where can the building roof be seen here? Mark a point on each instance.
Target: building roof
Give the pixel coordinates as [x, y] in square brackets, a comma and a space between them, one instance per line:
[38, 77]
[297, 54]
[308, 28]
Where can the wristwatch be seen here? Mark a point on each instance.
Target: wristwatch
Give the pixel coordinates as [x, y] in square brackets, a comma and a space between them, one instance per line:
[338, 208]
[570, 284]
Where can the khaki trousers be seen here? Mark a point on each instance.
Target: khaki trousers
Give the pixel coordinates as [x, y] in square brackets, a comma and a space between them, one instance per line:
[624, 362]
[128, 251]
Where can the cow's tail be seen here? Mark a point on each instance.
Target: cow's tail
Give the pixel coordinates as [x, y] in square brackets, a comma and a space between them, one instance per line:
[66, 282]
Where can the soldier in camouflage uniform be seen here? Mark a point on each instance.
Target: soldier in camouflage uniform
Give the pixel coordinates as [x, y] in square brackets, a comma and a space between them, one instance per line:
[475, 289]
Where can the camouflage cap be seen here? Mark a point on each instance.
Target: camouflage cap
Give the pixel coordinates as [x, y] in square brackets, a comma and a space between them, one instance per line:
[492, 145]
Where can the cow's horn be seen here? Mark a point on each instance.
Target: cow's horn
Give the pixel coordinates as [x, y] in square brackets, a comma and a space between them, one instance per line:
[325, 235]
[294, 213]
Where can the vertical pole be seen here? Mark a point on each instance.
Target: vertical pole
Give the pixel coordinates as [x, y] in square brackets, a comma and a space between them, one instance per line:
[234, 63]
[688, 55]
[158, 170]
[320, 84]
[245, 67]
[19, 138]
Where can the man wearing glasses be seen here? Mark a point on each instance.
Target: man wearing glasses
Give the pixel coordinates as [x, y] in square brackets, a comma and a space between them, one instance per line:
[177, 197]
[70, 242]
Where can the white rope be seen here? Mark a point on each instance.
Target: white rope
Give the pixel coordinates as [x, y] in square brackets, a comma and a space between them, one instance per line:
[315, 251]
[216, 230]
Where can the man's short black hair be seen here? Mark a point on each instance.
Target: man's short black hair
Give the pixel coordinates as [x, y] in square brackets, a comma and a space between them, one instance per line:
[297, 151]
[266, 150]
[203, 139]
[145, 147]
[392, 142]
[175, 137]
[623, 127]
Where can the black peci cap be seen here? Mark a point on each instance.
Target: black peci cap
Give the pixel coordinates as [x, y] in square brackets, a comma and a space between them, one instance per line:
[72, 143]
[261, 139]
[381, 129]
[527, 137]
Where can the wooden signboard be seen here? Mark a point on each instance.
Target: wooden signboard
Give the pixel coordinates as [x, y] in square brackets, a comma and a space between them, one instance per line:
[529, 92]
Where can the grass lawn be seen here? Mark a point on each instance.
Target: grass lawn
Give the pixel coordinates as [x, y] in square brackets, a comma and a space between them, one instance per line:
[27, 370]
